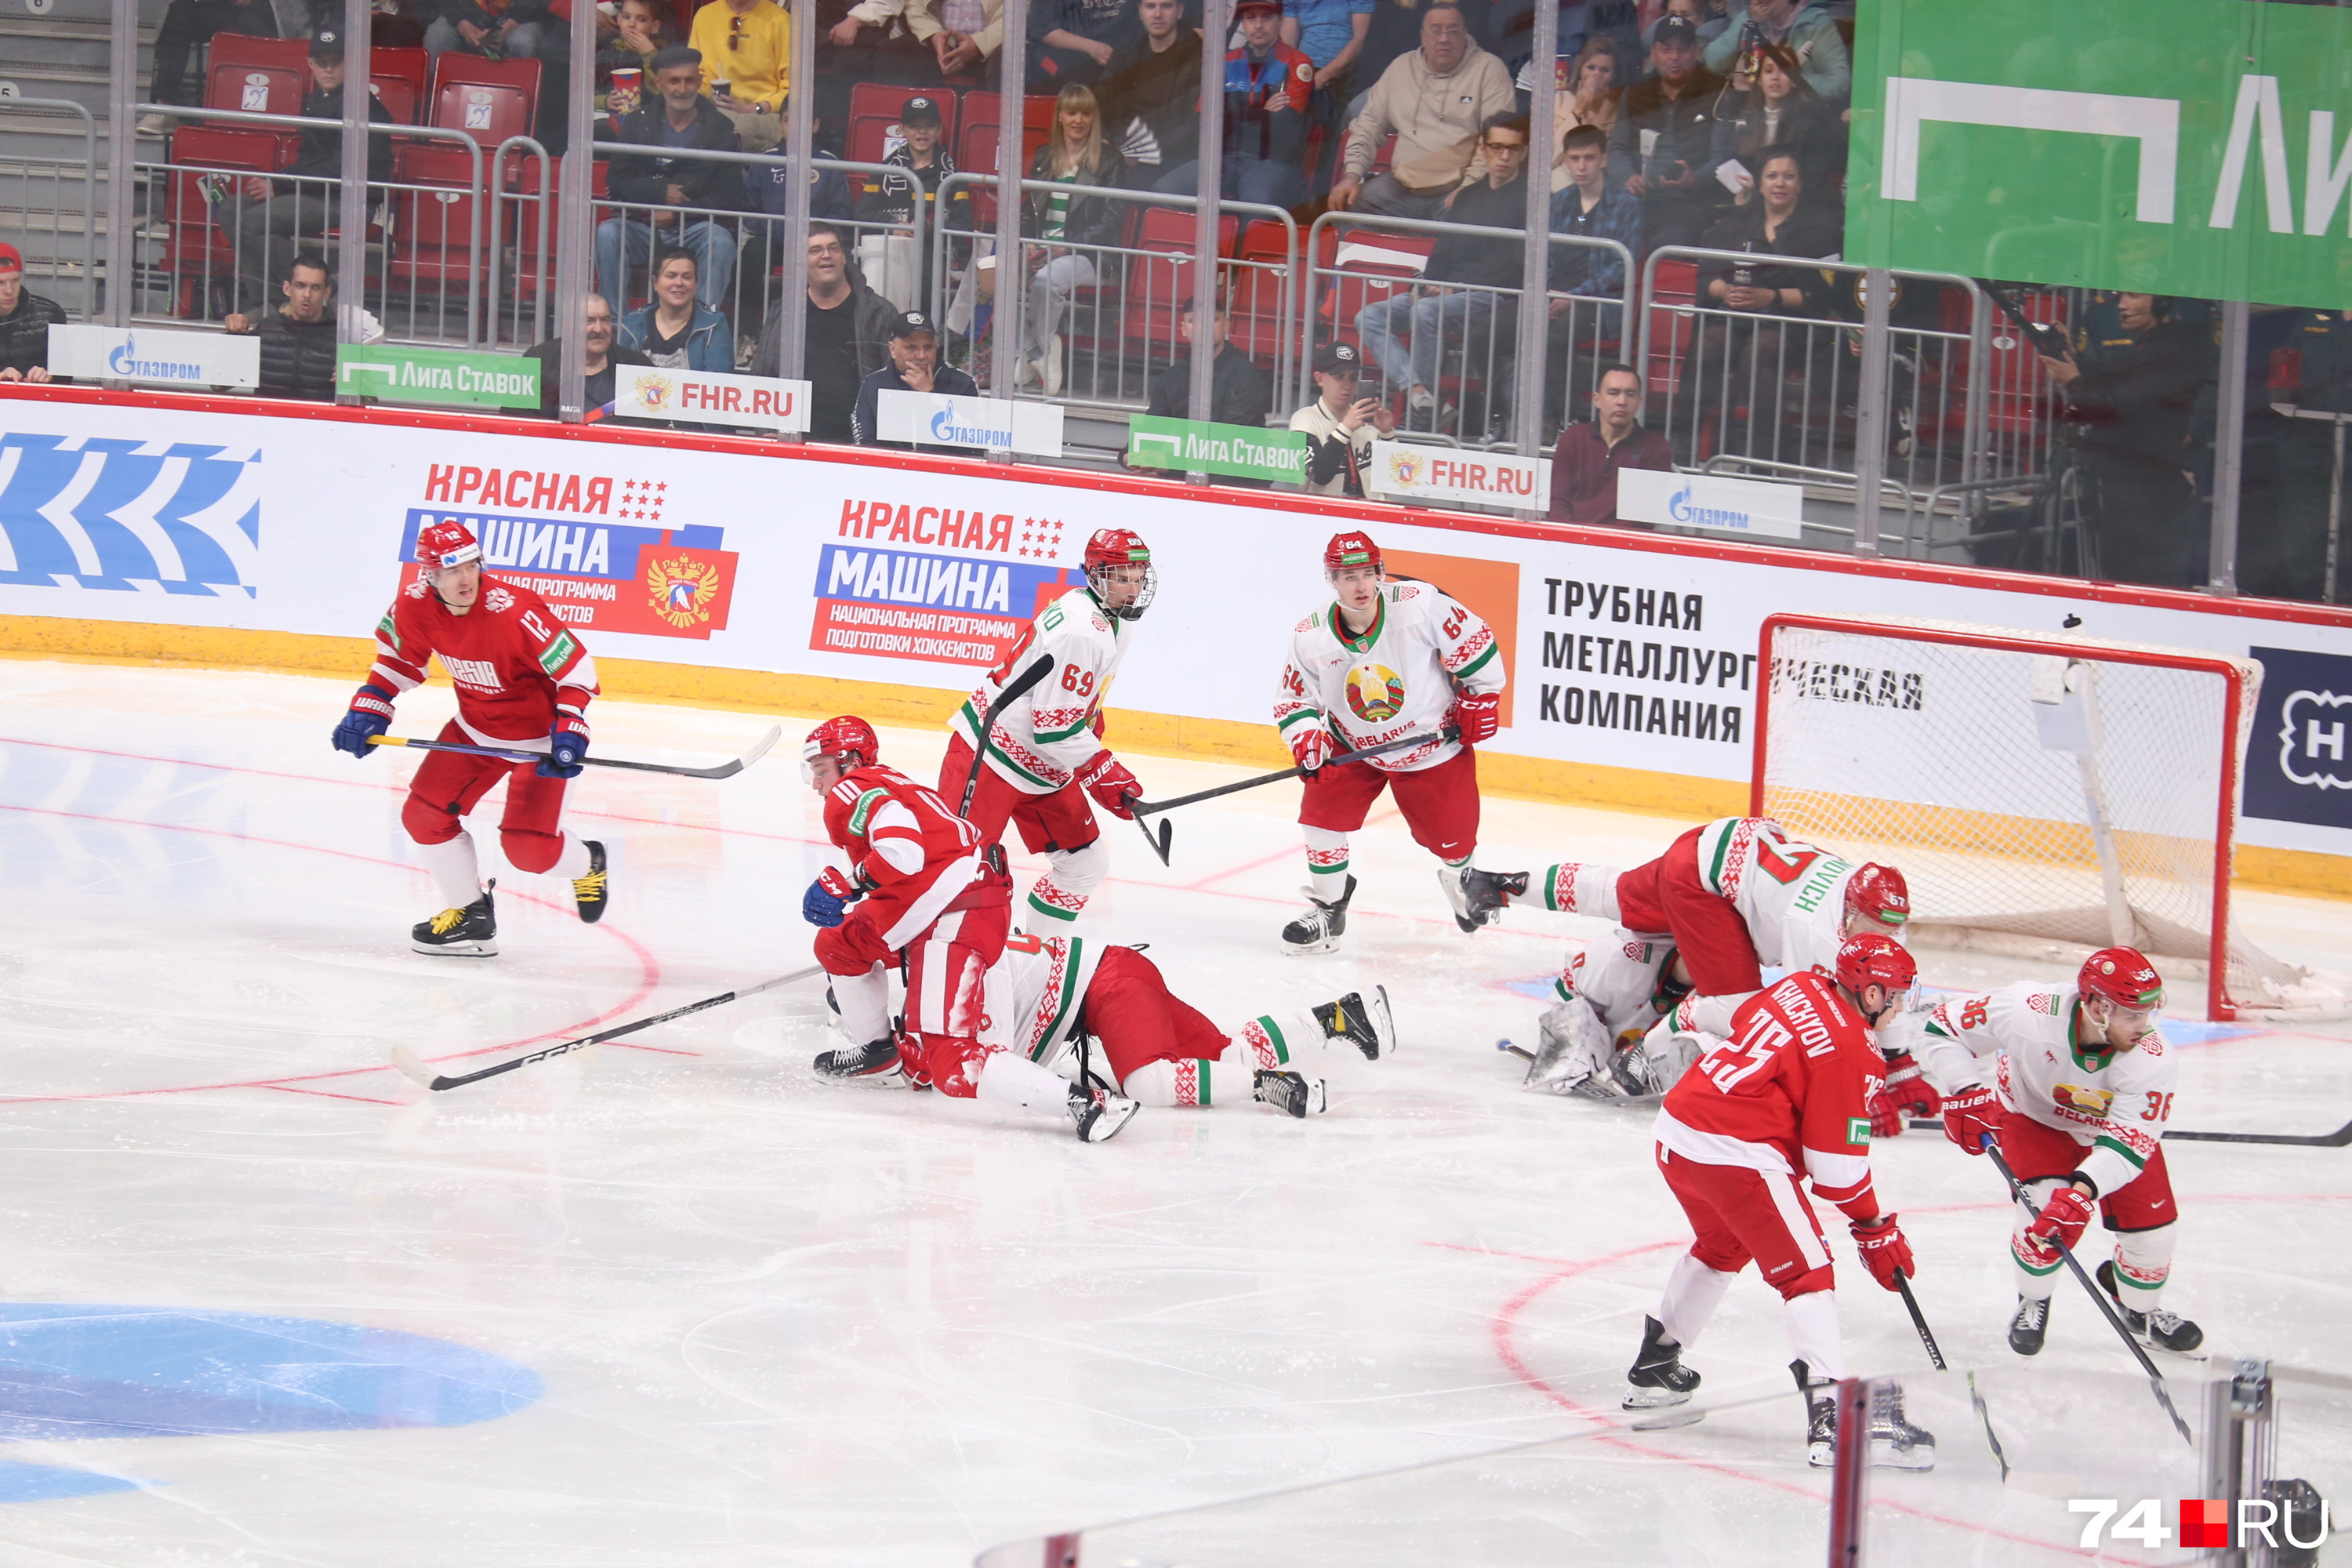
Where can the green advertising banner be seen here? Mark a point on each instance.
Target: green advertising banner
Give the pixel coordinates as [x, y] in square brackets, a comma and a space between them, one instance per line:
[1196, 446]
[399, 374]
[2161, 146]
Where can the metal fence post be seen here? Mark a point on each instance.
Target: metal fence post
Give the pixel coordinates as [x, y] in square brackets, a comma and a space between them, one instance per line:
[1011, 278]
[350, 249]
[122, 94]
[1535, 292]
[1869, 415]
[1216, 21]
[2229, 450]
[574, 233]
[800, 153]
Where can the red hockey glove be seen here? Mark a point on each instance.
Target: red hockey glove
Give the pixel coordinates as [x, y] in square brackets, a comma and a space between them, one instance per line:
[2061, 1220]
[1880, 1242]
[1969, 1115]
[842, 885]
[1906, 1093]
[1311, 746]
[1478, 714]
[1107, 779]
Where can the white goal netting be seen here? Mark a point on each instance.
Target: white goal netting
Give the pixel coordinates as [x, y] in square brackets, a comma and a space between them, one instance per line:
[2052, 787]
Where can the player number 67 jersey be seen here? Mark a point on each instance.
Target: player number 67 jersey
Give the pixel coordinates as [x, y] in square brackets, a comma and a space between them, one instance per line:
[2114, 1103]
[1790, 893]
[1395, 681]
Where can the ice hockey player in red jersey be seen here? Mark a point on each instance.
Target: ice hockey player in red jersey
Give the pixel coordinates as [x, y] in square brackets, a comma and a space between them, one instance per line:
[1045, 755]
[2080, 1087]
[1787, 1095]
[918, 890]
[1386, 661]
[523, 684]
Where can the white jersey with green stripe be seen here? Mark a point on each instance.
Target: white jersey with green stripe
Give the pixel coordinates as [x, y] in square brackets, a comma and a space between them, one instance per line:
[2114, 1103]
[1045, 736]
[1397, 679]
[1036, 993]
[1789, 894]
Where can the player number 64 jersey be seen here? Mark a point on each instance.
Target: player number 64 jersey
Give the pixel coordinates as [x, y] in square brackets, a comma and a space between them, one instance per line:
[1394, 680]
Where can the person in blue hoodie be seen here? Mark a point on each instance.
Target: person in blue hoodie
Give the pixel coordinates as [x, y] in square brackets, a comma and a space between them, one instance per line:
[674, 330]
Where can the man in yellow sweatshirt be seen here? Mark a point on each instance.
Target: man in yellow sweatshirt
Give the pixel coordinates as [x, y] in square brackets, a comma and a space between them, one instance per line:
[747, 46]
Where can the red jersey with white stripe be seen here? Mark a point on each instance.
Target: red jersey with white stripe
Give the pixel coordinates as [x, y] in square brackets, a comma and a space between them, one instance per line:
[1788, 1091]
[902, 839]
[513, 663]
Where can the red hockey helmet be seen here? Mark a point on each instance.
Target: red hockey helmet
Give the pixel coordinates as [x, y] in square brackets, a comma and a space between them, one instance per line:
[1873, 960]
[1115, 547]
[1350, 549]
[2125, 977]
[447, 542]
[848, 740]
[1878, 893]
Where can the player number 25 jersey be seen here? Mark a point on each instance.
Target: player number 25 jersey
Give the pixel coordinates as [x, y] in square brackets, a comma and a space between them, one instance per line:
[1395, 681]
[1045, 736]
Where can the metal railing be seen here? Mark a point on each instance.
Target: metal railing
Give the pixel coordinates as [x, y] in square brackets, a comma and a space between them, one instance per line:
[25, 216]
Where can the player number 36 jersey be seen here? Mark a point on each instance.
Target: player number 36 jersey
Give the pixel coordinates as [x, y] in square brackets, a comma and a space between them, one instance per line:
[2114, 1103]
[1395, 681]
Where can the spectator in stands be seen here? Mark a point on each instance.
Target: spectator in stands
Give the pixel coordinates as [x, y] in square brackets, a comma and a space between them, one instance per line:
[1239, 392]
[297, 339]
[769, 187]
[1777, 223]
[1456, 301]
[1331, 34]
[1268, 86]
[1589, 90]
[900, 269]
[273, 218]
[1587, 458]
[1592, 276]
[502, 29]
[2130, 384]
[658, 187]
[1071, 41]
[1783, 111]
[914, 366]
[847, 336]
[598, 355]
[25, 320]
[674, 329]
[188, 25]
[633, 47]
[1150, 93]
[963, 35]
[1434, 100]
[1705, 16]
[1674, 178]
[2283, 555]
[1803, 27]
[1341, 426]
[746, 48]
[1073, 227]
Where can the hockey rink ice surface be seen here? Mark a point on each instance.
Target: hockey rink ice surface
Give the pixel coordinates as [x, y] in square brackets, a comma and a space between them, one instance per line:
[263, 1301]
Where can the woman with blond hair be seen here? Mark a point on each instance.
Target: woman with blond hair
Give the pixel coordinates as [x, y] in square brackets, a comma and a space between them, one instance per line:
[1585, 91]
[1069, 223]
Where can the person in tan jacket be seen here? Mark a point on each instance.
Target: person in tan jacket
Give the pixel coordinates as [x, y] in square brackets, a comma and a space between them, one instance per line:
[1434, 100]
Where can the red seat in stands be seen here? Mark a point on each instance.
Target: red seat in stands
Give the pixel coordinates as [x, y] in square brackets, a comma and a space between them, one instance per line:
[487, 100]
[1673, 289]
[977, 148]
[1159, 282]
[257, 76]
[196, 251]
[397, 77]
[1256, 291]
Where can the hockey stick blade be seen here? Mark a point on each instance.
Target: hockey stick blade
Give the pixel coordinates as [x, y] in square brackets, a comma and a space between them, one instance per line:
[1005, 697]
[2339, 1139]
[409, 1063]
[1158, 841]
[1153, 807]
[727, 770]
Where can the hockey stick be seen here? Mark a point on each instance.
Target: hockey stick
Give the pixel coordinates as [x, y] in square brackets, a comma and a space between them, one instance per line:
[2099, 1296]
[2339, 1139]
[408, 1062]
[1158, 841]
[1936, 1356]
[1142, 807]
[723, 770]
[1005, 697]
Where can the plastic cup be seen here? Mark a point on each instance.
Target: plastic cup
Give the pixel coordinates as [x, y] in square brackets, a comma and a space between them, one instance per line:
[628, 85]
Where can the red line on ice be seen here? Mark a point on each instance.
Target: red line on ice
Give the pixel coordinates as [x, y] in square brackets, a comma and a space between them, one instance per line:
[648, 976]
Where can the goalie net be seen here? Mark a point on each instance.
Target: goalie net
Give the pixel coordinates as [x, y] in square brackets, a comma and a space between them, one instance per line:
[2039, 787]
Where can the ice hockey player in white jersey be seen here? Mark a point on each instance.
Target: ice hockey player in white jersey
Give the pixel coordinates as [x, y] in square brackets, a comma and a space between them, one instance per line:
[1044, 754]
[1695, 929]
[2075, 1083]
[1386, 661]
[1051, 995]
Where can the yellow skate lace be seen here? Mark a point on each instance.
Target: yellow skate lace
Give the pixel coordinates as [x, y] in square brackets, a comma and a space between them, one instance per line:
[444, 920]
[591, 886]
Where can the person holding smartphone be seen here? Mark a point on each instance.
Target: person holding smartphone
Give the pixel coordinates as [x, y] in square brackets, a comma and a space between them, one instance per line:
[1339, 426]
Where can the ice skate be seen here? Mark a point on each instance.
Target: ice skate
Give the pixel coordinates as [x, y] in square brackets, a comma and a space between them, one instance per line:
[2030, 1326]
[1477, 896]
[1894, 1443]
[1658, 1376]
[589, 891]
[469, 933]
[1292, 1092]
[2162, 1329]
[1099, 1118]
[1368, 1026]
[1320, 928]
[869, 1060]
[1821, 1416]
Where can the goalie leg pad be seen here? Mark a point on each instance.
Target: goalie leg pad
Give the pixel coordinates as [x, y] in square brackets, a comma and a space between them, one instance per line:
[1574, 1054]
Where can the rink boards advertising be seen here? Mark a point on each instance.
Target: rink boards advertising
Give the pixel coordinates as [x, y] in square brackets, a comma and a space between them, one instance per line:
[918, 575]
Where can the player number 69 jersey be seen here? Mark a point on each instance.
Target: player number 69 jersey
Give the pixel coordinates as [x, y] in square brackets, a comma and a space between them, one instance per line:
[2114, 1103]
[1394, 680]
[1042, 739]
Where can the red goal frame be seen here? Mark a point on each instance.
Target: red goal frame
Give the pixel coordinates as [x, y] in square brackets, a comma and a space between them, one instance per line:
[2219, 1007]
